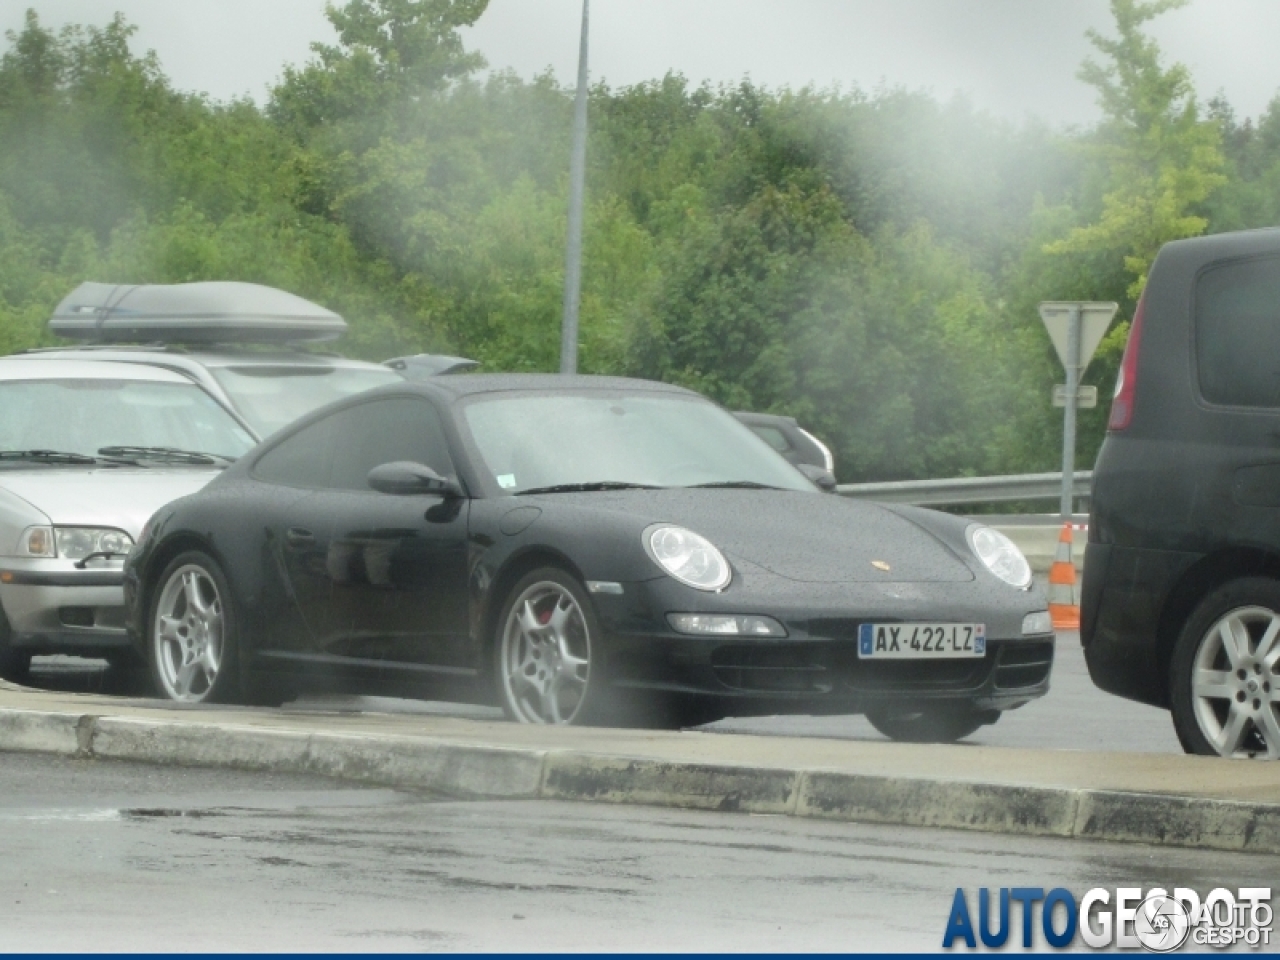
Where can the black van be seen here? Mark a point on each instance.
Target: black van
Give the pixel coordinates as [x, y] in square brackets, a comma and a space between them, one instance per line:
[1180, 604]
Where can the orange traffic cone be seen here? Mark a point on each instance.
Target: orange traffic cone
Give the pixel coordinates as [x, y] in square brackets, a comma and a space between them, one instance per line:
[1063, 609]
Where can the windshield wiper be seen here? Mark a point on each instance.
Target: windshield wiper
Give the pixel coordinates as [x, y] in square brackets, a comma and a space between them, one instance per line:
[736, 485]
[48, 456]
[167, 454]
[588, 487]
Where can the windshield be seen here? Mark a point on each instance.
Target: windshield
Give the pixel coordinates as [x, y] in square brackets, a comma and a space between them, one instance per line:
[84, 416]
[531, 442]
[271, 397]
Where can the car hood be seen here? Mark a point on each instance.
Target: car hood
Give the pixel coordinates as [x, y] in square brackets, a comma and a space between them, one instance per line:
[111, 497]
[805, 537]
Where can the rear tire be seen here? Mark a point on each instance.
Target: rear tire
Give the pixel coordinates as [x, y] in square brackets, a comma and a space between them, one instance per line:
[192, 632]
[15, 665]
[1224, 677]
[940, 722]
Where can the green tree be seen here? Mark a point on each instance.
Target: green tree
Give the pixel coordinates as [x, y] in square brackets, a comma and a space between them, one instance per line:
[1163, 161]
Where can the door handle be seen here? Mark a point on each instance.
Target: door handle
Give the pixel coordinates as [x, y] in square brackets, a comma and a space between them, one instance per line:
[297, 537]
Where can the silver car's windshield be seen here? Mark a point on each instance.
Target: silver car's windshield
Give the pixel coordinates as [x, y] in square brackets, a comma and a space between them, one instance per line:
[601, 440]
[271, 397]
[84, 416]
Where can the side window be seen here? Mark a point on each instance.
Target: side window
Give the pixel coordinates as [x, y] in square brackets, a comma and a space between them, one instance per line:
[303, 460]
[339, 451]
[1237, 324]
[772, 436]
[383, 431]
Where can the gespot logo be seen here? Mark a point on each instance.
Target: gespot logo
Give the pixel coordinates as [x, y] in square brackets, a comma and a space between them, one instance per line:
[1155, 919]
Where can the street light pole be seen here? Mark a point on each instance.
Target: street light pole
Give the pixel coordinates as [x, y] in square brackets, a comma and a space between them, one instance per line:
[573, 246]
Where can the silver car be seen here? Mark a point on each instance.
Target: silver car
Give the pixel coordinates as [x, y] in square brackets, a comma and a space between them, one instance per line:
[242, 342]
[88, 451]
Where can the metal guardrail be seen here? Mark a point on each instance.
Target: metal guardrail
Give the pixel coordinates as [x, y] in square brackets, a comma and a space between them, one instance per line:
[957, 490]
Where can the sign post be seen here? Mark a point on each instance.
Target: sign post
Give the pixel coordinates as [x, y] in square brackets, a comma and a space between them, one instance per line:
[1076, 328]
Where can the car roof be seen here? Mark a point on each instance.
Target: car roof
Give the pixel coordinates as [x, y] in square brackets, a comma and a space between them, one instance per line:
[24, 368]
[765, 419]
[470, 384]
[219, 356]
[1231, 242]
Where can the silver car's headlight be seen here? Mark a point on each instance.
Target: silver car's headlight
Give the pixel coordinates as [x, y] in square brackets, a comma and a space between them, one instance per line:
[999, 554]
[76, 543]
[37, 542]
[688, 557]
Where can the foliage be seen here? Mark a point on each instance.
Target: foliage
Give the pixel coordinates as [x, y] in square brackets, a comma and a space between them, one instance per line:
[1162, 159]
[867, 262]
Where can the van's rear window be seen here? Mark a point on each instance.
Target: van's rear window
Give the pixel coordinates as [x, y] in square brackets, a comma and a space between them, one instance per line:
[1237, 317]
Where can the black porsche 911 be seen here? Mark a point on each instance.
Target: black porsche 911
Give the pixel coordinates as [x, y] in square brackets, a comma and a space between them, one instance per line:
[582, 550]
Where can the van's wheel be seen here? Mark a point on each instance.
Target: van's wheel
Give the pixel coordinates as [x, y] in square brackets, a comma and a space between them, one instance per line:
[1224, 676]
[15, 665]
[547, 658]
[191, 642]
[940, 722]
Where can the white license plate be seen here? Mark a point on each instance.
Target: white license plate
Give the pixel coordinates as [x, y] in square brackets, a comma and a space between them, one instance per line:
[921, 641]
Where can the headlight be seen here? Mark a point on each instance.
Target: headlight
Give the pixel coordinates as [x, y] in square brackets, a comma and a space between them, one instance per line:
[76, 543]
[999, 554]
[688, 557]
[36, 542]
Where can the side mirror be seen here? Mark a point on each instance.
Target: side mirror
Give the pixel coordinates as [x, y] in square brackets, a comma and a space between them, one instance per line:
[406, 479]
[824, 480]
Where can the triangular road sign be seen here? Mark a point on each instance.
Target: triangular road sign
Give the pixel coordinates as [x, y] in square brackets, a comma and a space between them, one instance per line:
[1095, 317]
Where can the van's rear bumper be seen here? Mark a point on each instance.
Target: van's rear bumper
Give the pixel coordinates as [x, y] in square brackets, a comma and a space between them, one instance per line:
[1123, 595]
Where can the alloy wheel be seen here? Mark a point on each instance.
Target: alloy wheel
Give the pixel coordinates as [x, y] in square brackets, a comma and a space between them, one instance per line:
[546, 655]
[1235, 686]
[188, 634]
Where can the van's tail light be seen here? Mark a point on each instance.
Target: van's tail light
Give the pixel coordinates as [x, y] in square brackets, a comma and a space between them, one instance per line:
[1127, 382]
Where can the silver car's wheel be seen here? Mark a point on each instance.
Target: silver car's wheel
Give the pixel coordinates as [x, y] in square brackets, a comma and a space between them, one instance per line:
[544, 652]
[1235, 690]
[189, 634]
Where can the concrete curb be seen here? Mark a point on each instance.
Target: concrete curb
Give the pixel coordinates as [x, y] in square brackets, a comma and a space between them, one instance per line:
[997, 808]
[454, 769]
[465, 770]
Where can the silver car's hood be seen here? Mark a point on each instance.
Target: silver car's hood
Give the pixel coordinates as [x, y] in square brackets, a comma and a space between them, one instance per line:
[117, 497]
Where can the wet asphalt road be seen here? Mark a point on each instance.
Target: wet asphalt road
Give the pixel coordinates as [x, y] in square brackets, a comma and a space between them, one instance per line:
[1075, 715]
[105, 856]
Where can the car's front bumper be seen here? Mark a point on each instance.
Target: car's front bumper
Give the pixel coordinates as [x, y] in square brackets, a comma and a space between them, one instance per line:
[816, 666]
[54, 608]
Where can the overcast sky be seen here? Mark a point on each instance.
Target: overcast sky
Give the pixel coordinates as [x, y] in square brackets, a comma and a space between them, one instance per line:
[1013, 58]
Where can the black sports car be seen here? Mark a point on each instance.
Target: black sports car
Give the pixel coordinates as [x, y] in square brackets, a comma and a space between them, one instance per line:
[582, 550]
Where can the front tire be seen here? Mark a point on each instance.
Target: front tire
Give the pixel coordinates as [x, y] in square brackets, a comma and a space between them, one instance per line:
[1225, 676]
[15, 665]
[940, 722]
[192, 632]
[547, 656]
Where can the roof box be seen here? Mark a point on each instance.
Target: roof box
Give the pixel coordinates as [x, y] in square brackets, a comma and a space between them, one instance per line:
[215, 312]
